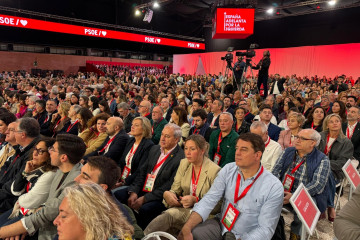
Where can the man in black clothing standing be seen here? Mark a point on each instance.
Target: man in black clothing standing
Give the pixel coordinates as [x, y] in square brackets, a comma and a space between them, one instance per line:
[263, 67]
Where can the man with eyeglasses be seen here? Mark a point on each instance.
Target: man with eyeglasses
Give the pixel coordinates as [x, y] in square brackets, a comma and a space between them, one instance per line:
[144, 109]
[65, 154]
[304, 164]
[158, 123]
[248, 115]
[26, 133]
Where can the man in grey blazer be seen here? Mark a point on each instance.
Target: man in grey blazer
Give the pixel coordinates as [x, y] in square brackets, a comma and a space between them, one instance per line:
[66, 154]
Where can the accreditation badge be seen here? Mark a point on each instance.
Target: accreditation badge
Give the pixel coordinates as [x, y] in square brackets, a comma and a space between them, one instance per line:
[217, 158]
[230, 217]
[125, 173]
[149, 183]
[288, 183]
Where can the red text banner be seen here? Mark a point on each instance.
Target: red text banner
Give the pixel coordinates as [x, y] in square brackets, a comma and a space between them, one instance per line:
[29, 23]
[237, 23]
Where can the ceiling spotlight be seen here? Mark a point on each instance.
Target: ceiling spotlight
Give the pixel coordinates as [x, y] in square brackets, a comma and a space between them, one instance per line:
[156, 5]
[137, 12]
[332, 2]
[270, 10]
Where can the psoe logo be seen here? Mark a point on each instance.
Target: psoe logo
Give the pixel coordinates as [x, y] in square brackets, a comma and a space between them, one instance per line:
[193, 45]
[152, 40]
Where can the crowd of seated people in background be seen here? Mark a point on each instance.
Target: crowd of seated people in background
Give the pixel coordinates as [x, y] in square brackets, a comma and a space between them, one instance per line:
[185, 154]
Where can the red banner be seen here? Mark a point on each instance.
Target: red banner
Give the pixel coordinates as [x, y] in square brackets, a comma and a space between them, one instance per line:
[352, 174]
[29, 23]
[235, 23]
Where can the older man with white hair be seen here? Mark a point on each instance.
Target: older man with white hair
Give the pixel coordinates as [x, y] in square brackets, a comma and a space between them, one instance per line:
[145, 194]
[304, 164]
[273, 149]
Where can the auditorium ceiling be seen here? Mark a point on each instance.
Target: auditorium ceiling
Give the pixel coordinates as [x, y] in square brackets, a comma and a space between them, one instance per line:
[179, 17]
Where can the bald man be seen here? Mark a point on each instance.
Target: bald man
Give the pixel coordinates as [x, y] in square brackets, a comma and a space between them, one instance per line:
[114, 144]
[144, 109]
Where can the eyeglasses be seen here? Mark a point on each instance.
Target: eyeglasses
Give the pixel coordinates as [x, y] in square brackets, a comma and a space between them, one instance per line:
[40, 151]
[302, 138]
[141, 106]
[52, 149]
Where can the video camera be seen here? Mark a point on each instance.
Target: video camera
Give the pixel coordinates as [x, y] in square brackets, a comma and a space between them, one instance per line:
[229, 57]
[250, 53]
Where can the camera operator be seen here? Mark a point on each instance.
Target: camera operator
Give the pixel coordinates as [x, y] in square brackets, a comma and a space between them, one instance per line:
[263, 67]
[238, 69]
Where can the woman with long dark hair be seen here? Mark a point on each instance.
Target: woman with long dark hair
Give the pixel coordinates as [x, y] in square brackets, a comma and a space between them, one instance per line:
[339, 108]
[179, 117]
[315, 119]
[94, 105]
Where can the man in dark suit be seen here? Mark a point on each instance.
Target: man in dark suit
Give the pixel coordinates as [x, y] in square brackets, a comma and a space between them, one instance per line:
[39, 113]
[338, 85]
[51, 106]
[126, 115]
[217, 108]
[265, 116]
[165, 105]
[200, 125]
[227, 105]
[26, 135]
[278, 85]
[351, 129]
[156, 176]
[114, 145]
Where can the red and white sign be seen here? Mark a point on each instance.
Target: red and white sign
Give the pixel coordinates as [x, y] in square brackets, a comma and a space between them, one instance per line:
[351, 173]
[29, 23]
[305, 208]
[237, 23]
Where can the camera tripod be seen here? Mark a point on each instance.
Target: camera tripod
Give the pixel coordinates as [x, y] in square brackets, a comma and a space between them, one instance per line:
[228, 68]
[243, 76]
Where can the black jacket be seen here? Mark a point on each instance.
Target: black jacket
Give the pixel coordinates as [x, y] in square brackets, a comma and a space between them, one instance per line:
[45, 126]
[280, 84]
[128, 121]
[355, 139]
[164, 178]
[209, 119]
[244, 128]
[116, 148]
[168, 114]
[204, 131]
[13, 167]
[138, 159]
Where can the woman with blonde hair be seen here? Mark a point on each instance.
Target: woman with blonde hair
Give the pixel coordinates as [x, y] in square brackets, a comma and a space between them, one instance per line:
[252, 106]
[136, 150]
[95, 134]
[193, 179]
[339, 149]
[294, 122]
[87, 212]
[60, 119]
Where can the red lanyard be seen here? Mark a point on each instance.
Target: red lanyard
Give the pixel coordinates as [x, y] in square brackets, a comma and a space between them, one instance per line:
[193, 182]
[312, 126]
[246, 114]
[328, 110]
[348, 132]
[58, 122]
[147, 115]
[219, 142]
[243, 194]
[131, 154]
[196, 131]
[46, 119]
[327, 149]
[108, 143]
[297, 166]
[159, 164]
[71, 125]
[267, 142]
[28, 185]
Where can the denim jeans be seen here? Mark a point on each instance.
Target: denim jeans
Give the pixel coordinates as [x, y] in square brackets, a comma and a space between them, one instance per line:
[332, 189]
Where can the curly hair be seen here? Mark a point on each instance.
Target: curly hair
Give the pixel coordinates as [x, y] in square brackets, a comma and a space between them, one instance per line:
[90, 202]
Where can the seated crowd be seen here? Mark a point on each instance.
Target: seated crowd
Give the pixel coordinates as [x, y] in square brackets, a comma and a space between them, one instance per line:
[123, 156]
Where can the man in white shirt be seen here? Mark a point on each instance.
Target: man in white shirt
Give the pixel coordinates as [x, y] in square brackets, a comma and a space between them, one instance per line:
[273, 149]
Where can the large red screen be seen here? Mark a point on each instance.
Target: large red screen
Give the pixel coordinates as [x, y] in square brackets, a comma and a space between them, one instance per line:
[237, 23]
[329, 60]
[29, 23]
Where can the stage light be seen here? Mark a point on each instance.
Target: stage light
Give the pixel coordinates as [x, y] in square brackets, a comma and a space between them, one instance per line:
[156, 5]
[332, 2]
[137, 12]
[270, 11]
